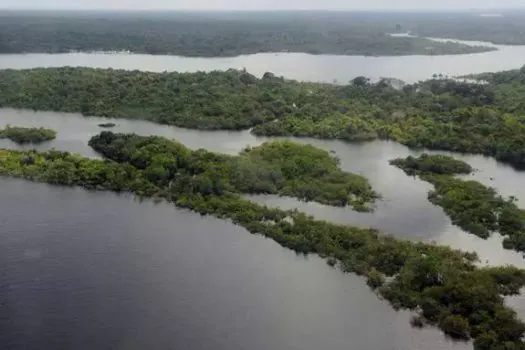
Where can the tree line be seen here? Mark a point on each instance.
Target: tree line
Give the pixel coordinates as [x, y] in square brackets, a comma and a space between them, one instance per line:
[445, 286]
[279, 167]
[216, 100]
[201, 35]
[474, 207]
[439, 113]
[23, 135]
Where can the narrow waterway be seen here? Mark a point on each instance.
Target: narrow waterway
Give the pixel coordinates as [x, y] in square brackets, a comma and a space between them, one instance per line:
[404, 210]
[85, 270]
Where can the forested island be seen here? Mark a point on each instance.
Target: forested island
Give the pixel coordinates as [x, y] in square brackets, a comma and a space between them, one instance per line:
[107, 125]
[433, 164]
[214, 34]
[22, 135]
[474, 207]
[445, 286]
[280, 167]
[439, 113]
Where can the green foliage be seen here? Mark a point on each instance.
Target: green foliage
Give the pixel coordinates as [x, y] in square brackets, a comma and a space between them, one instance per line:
[216, 100]
[437, 114]
[375, 279]
[27, 135]
[474, 207]
[218, 35]
[436, 164]
[455, 326]
[453, 293]
[280, 167]
[62, 168]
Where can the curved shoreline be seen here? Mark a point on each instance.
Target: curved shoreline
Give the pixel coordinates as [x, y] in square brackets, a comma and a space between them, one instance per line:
[409, 275]
[299, 66]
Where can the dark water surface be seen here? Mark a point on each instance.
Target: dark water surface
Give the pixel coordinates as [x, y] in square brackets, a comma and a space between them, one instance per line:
[83, 270]
[404, 210]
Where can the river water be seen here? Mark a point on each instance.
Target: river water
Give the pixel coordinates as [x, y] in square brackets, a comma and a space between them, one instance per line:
[88, 270]
[403, 211]
[299, 66]
[149, 275]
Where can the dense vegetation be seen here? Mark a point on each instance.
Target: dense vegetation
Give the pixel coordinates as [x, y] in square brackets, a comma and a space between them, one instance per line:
[436, 164]
[217, 34]
[279, 167]
[444, 285]
[216, 100]
[442, 114]
[436, 114]
[22, 135]
[474, 207]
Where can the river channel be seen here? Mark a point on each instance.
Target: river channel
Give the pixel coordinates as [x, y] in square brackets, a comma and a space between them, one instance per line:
[299, 66]
[88, 270]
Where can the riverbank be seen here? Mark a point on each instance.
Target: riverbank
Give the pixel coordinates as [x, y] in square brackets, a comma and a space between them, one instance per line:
[440, 114]
[403, 210]
[22, 135]
[361, 251]
[475, 208]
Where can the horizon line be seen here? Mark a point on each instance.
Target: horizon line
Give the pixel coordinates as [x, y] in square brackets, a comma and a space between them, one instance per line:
[269, 10]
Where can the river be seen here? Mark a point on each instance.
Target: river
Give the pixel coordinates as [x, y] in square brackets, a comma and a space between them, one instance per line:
[299, 66]
[89, 270]
[403, 211]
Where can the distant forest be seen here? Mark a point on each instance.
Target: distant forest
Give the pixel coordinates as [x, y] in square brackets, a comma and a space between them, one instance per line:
[232, 34]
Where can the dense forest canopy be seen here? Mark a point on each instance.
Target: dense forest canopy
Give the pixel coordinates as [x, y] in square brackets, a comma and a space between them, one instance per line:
[434, 164]
[215, 100]
[22, 135]
[474, 207]
[213, 34]
[439, 113]
[279, 167]
[445, 286]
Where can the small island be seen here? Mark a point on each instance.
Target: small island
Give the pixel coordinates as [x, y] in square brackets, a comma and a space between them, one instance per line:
[281, 168]
[23, 135]
[474, 207]
[107, 125]
[436, 164]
